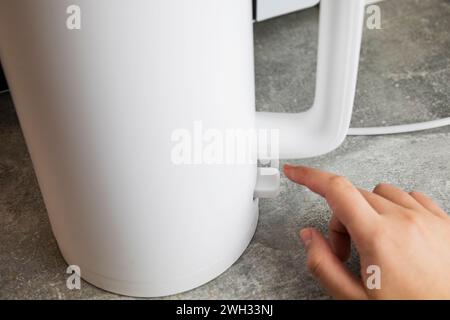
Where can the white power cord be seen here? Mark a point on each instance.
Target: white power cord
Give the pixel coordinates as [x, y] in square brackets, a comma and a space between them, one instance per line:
[375, 131]
[413, 127]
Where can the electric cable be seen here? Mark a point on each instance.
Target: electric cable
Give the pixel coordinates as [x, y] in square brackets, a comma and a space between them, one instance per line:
[405, 128]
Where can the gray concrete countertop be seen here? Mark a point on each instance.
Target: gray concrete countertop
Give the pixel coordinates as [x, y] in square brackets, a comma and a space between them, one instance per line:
[404, 77]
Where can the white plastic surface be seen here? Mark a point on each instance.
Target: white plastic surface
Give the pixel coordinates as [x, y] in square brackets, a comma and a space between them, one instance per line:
[98, 107]
[267, 183]
[324, 127]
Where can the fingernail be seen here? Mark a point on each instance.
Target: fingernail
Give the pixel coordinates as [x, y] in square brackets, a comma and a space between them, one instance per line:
[287, 167]
[306, 236]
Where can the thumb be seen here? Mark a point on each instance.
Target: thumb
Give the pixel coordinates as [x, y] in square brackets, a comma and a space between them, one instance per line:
[328, 269]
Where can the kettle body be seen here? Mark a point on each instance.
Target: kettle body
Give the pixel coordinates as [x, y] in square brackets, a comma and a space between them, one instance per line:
[99, 106]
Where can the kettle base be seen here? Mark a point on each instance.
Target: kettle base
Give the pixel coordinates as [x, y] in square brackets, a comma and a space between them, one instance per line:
[152, 290]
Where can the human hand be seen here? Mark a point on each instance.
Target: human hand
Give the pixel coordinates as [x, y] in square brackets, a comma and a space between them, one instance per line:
[405, 234]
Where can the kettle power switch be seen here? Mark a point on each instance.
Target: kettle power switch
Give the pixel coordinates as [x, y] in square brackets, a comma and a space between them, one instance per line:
[267, 183]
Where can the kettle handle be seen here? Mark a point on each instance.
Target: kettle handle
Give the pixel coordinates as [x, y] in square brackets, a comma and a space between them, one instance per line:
[325, 125]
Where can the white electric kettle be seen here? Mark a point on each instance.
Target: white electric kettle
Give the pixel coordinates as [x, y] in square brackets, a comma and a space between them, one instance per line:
[99, 104]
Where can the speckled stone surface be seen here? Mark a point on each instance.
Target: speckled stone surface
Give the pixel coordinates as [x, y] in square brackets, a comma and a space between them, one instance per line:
[404, 77]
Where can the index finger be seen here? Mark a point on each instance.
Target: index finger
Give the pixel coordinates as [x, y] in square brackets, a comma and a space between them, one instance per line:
[346, 202]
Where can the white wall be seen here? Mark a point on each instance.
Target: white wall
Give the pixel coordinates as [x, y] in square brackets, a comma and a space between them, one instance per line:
[267, 9]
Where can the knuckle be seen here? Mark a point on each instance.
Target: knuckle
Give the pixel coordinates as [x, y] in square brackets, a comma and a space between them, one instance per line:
[340, 182]
[380, 187]
[315, 265]
[415, 193]
[413, 221]
[376, 237]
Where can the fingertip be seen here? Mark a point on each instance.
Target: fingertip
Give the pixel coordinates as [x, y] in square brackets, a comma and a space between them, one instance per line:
[293, 172]
[306, 235]
[287, 169]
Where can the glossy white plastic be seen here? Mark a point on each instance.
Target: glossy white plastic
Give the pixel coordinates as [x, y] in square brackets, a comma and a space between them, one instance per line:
[324, 127]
